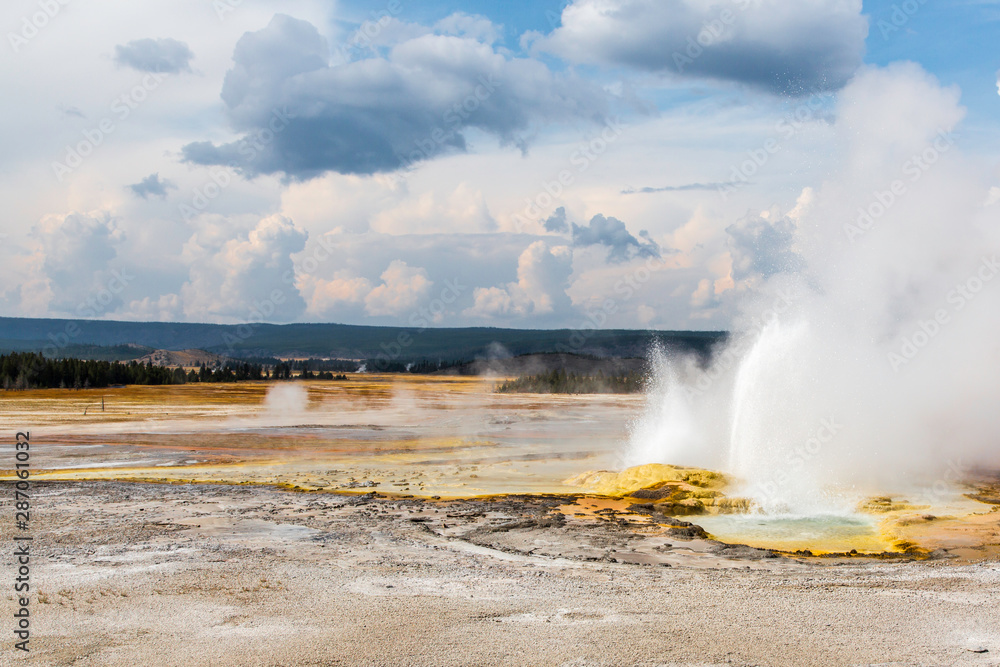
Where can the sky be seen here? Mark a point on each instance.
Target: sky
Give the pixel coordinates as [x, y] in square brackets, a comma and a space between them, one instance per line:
[582, 163]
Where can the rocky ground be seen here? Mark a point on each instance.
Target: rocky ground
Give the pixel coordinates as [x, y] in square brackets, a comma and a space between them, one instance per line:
[144, 574]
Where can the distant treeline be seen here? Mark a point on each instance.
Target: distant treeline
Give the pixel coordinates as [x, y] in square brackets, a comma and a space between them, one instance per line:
[28, 370]
[350, 366]
[561, 382]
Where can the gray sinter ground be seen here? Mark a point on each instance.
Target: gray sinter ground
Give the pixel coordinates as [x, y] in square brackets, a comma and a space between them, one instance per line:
[138, 574]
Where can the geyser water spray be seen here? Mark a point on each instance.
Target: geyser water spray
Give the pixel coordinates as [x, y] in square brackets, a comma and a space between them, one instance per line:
[866, 353]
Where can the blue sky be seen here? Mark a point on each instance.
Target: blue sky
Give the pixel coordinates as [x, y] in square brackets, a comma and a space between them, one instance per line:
[256, 160]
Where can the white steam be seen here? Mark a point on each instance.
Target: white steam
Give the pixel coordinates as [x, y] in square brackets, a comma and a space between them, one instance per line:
[873, 361]
[286, 402]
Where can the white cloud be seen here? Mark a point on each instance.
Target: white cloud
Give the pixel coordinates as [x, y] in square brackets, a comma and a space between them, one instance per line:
[75, 254]
[542, 277]
[164, 308]
[403, 289]
[478, 28]
[458, 209]
[328, 298]
[240, 276]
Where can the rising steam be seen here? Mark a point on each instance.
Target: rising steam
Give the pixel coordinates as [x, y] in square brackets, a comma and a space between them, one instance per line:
[872, 361]
[286, 402]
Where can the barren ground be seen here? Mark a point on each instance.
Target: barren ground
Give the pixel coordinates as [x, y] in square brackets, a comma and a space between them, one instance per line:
[145, 574]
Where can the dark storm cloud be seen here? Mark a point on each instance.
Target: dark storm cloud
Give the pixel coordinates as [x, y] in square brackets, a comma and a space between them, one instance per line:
[783, 46]
[152, 185]
[166, 56]
[302, 117]
[612, 233]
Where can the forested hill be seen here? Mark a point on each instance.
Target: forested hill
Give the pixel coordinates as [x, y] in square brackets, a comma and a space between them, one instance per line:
[340, 340]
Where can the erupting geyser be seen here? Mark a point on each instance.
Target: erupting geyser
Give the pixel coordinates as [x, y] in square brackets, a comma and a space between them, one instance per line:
[867, 355]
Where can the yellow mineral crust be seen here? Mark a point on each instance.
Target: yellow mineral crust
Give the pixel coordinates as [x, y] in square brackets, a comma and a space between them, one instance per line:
[675, 490]
[626, 482]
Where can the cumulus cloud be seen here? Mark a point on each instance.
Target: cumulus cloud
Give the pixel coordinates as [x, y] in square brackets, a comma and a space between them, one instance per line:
[302, 117]
[331, 297]
[612, 233]
[761, 247]
[542, 277]
[557, 221]
[163, 308]
[239, 277]
[75, 253]
[166, 56]
[784, 46]
[478, 28]
[402, 290]
[152, 185]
